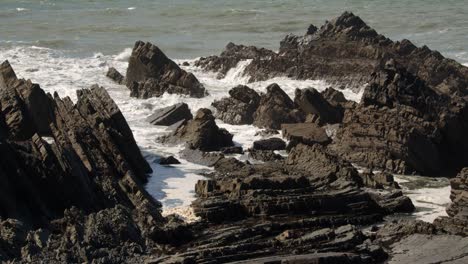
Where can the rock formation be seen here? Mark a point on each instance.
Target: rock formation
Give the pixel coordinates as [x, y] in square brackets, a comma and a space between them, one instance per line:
[311, 102]
[151, 73]
[201, 133]
[342, 51]
[239, 108]
[276, 108]
[170, 115]
[404, 126]
[79, 198]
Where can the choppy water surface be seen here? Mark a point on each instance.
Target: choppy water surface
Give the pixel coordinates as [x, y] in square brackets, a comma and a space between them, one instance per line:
[68, 45]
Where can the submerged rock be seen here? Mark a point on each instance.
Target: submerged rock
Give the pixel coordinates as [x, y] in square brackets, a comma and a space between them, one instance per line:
[151, 73]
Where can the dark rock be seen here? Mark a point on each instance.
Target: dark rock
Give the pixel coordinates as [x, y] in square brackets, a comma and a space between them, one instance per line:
[150, 74]
[395, 202]
[239, 108]
[305, 133]
[342, 51]
[25, 104]
[404, 126]
[170, 115]
[201, 133]
[185, 63]
[169, 161]
[269, 144]
[232, 150]
[115, 75]
[275, 109]
[80, 196]
[310, 101]
[334, 97]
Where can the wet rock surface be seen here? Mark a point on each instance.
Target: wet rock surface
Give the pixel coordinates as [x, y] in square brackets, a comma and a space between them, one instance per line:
[151, 73]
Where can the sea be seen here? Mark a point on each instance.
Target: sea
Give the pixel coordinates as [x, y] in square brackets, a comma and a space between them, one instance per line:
[66, 45]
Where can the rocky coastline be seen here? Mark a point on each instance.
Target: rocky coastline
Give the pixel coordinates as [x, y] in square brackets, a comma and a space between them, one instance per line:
[72, 178]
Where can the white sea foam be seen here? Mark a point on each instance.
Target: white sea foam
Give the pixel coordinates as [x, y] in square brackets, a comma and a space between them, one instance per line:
[124, 55]
[174, 185]
[131, 8]
[430, 196]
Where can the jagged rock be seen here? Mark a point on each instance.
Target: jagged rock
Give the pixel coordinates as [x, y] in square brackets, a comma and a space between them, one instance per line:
[169, 161]
[239, 108]
[305, 133]
[170, 115]
[115, 75]
[343, 51]
[269, 144]
[334, 97]
[71, 200]
[310, 101]
[150, 74]
[201, 133]
[275, 109]
[404, 126]
[25, 104]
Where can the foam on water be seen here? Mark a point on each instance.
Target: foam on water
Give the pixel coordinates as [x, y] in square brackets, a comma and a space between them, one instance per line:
[430, 196]
[174, 185]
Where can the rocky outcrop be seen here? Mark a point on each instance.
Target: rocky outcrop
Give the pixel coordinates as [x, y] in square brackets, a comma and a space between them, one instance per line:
[115, 75]
[404, 126]
[344, 51]
[80, 196]
[151, 73]
[311, 102]
[170, 115]
[276, 108]
[201, 133]
[239, 108]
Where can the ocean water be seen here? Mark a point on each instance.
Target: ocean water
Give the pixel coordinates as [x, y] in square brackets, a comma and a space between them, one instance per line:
[68, 45]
